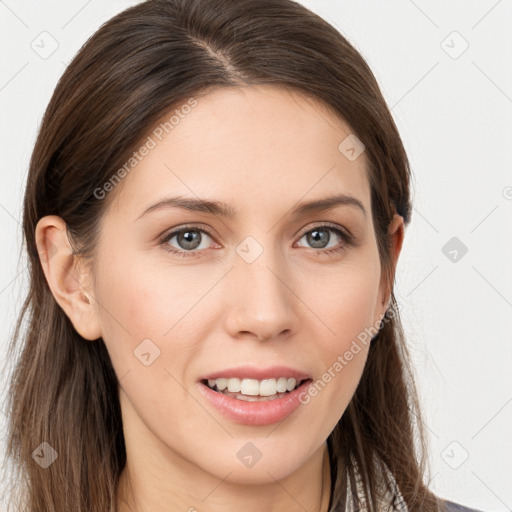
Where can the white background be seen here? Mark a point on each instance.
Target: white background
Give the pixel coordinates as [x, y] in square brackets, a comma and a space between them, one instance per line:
[454, 115]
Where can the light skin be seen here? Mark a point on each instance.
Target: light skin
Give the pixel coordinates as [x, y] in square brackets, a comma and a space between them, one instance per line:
[261, 150]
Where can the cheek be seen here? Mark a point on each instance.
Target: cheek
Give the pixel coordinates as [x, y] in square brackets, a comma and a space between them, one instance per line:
[145, 301]
[149, 316]
[346, 301]
[147, 328]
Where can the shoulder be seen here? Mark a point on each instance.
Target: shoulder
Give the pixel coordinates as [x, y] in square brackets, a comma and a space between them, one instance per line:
[451, 506]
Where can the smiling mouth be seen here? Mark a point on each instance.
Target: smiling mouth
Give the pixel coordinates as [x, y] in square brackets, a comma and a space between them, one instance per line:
[252, 390]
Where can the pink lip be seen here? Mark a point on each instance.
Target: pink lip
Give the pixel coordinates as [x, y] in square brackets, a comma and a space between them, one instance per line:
[252, 372]
[255, 413]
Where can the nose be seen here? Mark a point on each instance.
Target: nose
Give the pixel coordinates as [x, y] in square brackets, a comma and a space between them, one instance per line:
[261, 301]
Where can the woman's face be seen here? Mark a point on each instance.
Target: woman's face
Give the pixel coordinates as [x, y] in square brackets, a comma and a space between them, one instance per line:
[266, 292]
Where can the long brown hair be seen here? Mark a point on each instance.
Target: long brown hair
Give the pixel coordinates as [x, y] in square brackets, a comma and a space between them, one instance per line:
[135, 68]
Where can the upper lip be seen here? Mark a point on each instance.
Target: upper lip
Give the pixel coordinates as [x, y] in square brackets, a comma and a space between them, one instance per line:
[253, 372]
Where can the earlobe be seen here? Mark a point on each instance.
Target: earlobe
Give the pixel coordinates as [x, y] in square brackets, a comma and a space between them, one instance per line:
[67, 276]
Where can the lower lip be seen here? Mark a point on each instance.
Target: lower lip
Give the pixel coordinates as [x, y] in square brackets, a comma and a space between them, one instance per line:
[255, 413]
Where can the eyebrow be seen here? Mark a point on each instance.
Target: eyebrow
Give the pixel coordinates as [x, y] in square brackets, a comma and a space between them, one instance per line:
[221, 209]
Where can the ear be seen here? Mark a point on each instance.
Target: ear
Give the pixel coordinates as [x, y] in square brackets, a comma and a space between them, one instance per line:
[396, 231]
[67, 276]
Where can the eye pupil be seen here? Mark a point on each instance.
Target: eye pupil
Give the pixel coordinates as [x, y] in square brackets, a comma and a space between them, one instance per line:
[318, 236]
[191, 239]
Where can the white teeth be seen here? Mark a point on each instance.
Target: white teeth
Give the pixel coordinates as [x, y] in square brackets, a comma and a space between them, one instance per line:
[291, 384]
[221, 383]
[253, 387]
[282, 382]
[234, 385]
[268, 387]
[250, 387]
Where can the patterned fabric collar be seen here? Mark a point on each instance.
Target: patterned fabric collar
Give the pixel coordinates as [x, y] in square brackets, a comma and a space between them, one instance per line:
[392, 500]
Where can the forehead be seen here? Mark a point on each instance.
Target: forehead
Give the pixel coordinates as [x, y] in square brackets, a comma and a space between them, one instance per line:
[260, 144]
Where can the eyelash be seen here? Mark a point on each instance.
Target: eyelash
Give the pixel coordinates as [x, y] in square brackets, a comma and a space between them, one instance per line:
[348, 239]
